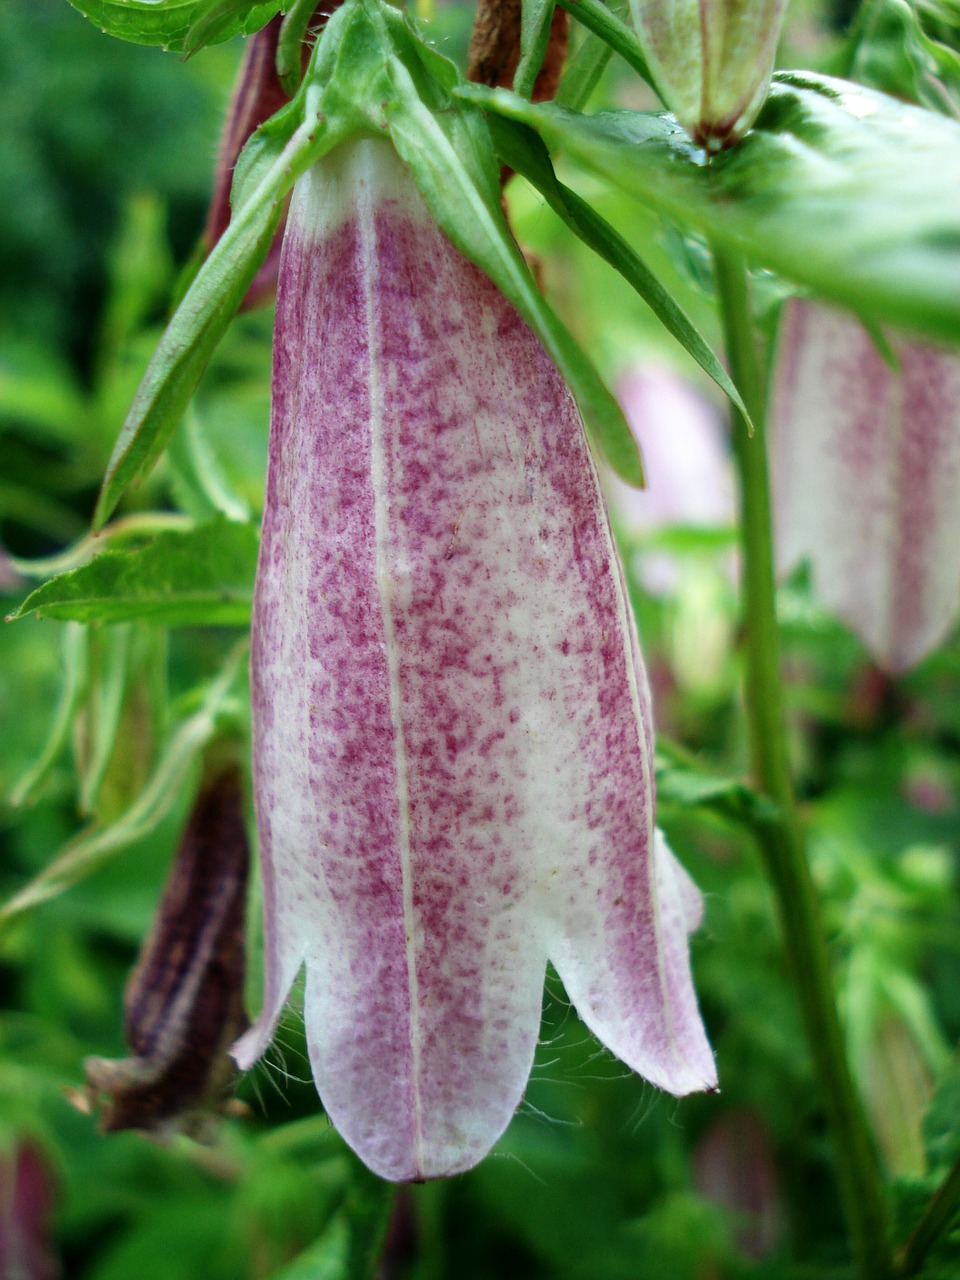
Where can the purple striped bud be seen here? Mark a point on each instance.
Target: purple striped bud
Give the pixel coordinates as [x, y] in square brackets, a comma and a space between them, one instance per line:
[711, 61]
[452, 735]
[866, 469]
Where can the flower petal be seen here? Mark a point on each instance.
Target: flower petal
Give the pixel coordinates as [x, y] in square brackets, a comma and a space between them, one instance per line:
[451, 736]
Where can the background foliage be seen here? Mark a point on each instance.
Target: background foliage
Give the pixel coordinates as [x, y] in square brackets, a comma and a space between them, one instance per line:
[106, 156]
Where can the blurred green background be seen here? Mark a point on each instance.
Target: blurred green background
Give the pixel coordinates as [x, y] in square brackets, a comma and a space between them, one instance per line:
[106, 160]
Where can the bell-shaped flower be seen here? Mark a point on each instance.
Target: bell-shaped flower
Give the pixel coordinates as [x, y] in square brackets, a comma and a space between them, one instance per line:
[688, 468]
[711, 61]
[866, 472]
[452, 734]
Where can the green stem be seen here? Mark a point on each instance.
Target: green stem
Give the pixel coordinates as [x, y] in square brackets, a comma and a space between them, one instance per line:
[782, 842]
[369, 1204]
[937, 1218]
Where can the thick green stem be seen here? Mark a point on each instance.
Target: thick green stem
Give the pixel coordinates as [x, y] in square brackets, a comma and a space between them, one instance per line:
[782, 842]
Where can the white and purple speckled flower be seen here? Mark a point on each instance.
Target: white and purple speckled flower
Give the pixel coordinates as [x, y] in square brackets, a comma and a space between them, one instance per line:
[452, 742]
[866, 471]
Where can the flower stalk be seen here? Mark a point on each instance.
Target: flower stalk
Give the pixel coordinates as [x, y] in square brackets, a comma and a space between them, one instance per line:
[782, 842]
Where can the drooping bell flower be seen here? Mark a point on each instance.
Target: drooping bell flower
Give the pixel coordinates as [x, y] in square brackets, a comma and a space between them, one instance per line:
[866, 471]
[688, 468]
[711, 61]
[452, 735]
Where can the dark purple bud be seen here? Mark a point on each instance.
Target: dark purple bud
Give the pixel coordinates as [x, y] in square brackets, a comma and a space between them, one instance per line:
[184, 1001]
[734, 1167]
[26, 1203]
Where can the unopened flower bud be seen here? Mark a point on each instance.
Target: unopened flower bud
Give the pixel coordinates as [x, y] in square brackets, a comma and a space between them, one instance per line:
[711, 61]
[184, 1002]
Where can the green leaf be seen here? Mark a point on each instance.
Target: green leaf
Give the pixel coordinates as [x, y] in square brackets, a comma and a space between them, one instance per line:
[535, 19]
[91, 849]
[39, 392]
[110, 678]
[818, 191]
[325, 1259]
[681, 782]
[196, 578]
[524, 152]
[200, 485]
[130, 530]
[583, 73]
[24, 505]
[171, 23]
[941, 1124]
[891, 52]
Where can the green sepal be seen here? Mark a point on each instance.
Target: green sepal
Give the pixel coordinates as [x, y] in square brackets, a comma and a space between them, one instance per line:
[583, 71]
[76, 679]
[222, 19]
[111, 652]
[274, 157]
[817, 191]
[197, 577]
[293, 32]
[615, 33]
